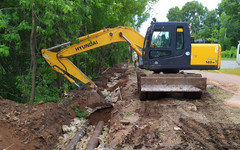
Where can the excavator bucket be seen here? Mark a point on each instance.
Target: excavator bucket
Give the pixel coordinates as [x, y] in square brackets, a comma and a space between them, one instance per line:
[189, 84]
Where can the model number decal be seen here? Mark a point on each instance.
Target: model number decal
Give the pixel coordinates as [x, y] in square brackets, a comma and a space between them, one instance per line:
[211, 61]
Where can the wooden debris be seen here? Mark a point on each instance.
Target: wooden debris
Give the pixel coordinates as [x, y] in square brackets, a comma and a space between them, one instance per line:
[93, 142]
[8, 147]
[120, 93]
[77, 137]
[105, 70]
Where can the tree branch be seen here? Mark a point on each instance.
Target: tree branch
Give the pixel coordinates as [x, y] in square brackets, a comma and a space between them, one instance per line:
[10, 8]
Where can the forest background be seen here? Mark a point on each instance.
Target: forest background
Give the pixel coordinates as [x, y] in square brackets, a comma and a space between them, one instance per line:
[27, 26]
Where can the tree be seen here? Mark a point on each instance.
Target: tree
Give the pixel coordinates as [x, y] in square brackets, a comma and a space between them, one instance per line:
[175, 14]
[230, 18]
[210, 23]
[195, 13]
[33, 55]
[51, 22]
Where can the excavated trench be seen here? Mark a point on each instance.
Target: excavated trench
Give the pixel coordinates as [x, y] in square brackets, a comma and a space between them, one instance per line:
[111, 82]
[100, 115]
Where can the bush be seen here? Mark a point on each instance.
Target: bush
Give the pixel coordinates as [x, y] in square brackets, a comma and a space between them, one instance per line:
[227, 53]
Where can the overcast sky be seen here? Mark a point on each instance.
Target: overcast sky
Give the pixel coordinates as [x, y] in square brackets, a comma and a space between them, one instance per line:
[160, 10]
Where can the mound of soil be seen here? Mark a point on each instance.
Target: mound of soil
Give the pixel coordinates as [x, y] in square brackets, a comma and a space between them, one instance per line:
[31, 127]
[39, 126]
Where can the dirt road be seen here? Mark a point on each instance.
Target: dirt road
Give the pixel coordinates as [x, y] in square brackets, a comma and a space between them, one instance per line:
[227, 82]
[229, 64]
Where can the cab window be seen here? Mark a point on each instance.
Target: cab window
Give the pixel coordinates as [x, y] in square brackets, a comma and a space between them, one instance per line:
[161, 39]
[179, 40]
[159, 53]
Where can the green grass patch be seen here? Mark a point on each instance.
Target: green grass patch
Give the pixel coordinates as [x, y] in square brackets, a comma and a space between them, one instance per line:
[214, 71]
[218, 94]
[227, 71]
[129, 114]
[79, 113]
[105, 95]
[224, 58]
[231, 71]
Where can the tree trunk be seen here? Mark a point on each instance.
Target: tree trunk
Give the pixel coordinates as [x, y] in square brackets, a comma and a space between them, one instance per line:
[33, 55]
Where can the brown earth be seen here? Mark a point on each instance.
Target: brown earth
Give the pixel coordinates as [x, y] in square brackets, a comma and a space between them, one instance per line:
[168, 122]
[165, 122]
[39, 126]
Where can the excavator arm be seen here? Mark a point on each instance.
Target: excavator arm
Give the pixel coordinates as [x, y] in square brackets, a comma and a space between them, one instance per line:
[59, 60]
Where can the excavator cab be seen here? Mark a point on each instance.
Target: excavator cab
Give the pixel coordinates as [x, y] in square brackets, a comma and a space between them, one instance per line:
[167, 47]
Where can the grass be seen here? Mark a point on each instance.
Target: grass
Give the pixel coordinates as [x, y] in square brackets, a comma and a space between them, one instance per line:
[227, 71]
[129, 113]
[214, 71]
[231, 71]
[218, 94]
[79, 113]
[224, 58]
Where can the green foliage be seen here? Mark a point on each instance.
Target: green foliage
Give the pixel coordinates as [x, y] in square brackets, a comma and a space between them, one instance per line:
[228, 53]
[221, 24]
[44, 90]
[210, 24]
[79, 113]
[129, 113]
[4, 50]
[58, 21]
[230, 18]
[231, 71]
[175, 14]
[105, 95]
[195, 13]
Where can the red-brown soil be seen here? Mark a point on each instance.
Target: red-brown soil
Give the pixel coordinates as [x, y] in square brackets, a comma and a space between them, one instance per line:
[26, 128]
[38, 127]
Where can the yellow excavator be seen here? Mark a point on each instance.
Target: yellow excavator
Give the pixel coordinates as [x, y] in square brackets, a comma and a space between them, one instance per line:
[166, 49]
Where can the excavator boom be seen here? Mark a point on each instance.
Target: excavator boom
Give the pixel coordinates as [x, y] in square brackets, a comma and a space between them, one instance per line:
[59, 60]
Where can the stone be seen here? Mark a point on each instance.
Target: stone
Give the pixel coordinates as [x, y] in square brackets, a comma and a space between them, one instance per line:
[125, 122]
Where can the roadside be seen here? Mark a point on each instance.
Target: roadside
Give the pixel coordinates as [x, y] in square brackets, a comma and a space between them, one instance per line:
[235, 71]
[227, 82]
[228, 67]
[229, 64]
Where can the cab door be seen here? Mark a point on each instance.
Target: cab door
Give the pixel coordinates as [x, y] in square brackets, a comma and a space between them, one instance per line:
[169, 47]
[182, 46]
[160, 44]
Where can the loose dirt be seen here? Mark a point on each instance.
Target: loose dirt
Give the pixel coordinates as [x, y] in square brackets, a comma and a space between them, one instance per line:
[164, 122]
[25, 128]
[168, 122]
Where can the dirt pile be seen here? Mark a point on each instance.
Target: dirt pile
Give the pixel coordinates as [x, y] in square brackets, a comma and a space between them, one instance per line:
[38, 127]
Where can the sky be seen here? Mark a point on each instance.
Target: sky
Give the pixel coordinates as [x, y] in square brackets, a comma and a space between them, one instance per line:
[160, 10]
